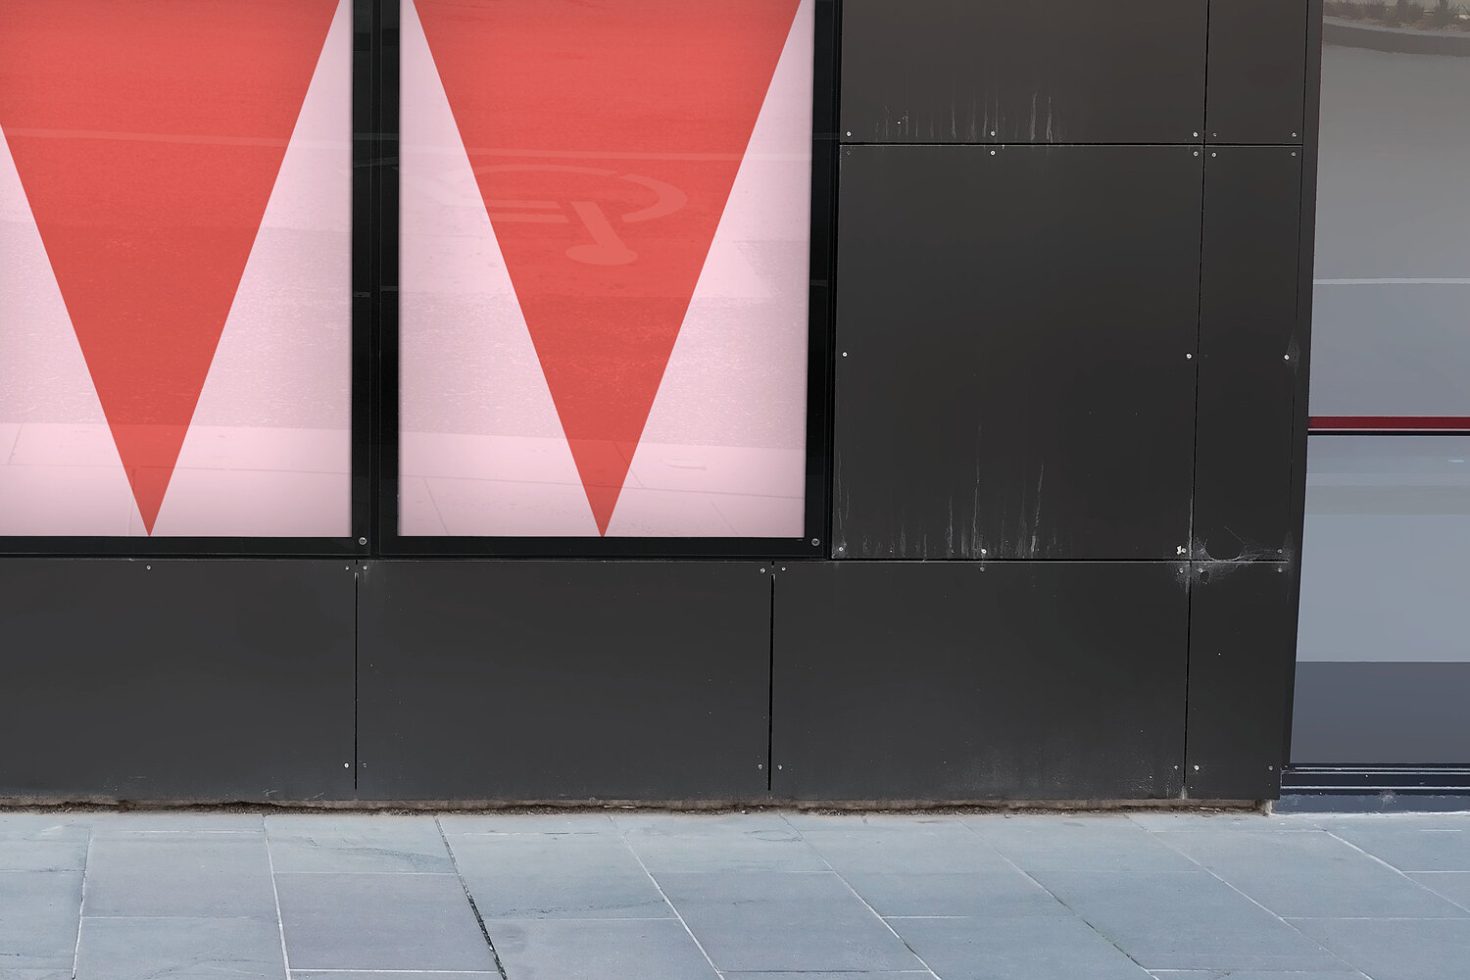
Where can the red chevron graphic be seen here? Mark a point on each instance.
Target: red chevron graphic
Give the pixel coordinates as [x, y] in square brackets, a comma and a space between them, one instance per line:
[148, 137]
[605, 138]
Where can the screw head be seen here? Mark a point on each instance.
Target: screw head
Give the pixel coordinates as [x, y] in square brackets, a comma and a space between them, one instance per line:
[362, 540]
[817, 541]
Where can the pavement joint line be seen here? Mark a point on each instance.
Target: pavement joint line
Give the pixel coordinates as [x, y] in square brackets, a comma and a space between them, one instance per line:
[1280, 918]
[76, 955]
[1398, 871]
[874, 912]
[474, 909]
[276, 895]
[623, 836]
[1054, 896]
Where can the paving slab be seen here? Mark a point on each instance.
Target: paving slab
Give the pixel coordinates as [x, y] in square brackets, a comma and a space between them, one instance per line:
[1007, 947]
[179, 874]
[1396, 949]
[775, 921]
[180, 949]
[1452, 885]
[1410, 845]
[1044, 842]
[1312, 874]
[526, 823]
[38, 919]
[603, 949]
[721, 846]
[380, 922]
[556, 876]
[1186, 921]
[920, 849]
[997, 891]
[381, 843]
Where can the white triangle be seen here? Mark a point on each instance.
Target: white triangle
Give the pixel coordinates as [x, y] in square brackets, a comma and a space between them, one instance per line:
[483, 451]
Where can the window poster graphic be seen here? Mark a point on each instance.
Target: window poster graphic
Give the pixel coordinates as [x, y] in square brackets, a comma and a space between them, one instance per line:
[604, 265]
[175, 278]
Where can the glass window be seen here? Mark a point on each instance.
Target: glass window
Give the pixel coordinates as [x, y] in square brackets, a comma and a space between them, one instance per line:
[604, 268]
[175, 267]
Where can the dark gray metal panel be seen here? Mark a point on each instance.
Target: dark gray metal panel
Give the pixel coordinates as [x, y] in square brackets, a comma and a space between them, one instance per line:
[1241, 653]
[1390, 714]
[1063, 71]
[1013, 333]
[1258, 70]
[964, 681]
[1249, 353]
[172, 679]
[564, 680]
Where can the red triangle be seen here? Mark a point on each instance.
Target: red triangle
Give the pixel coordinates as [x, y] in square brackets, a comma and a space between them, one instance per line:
[605, 138]
[148, 136]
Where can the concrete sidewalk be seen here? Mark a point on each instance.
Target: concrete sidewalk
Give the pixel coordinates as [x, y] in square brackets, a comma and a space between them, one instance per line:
[760, 896]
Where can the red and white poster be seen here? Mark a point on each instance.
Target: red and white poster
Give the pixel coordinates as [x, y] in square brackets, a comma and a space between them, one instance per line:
[175, 267]
[605, 226]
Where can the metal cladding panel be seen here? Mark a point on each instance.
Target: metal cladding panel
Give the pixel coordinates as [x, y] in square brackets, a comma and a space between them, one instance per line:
[1014, 328]
[1258, 71]
[572, 680]
[1064, 71]
[953, 681]
[1249, 353]
[171, 679]
[1242, 650]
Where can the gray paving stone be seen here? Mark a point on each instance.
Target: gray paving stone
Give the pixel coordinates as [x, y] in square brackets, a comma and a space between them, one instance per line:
[548, 876]
[1177, 822]
[386, 975]
[927, 849]
[972, 893]
[1007, 947]
[1312, 874]
[170, 821]
[527, 823]
[1453, 885]
[42, 842]
[374, 842]
[27, 825]
[636, 822]
[42, 855]
[774, 921]
[1396, 949]
[723, 846]
[1186, 921]
[849, 975]
[180, 949]
[179, 874]
[38, 919]
[1045, 842]
[604, 949]
[62, 973]
[1253, 975]
[380, 922]
[1410, 847]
